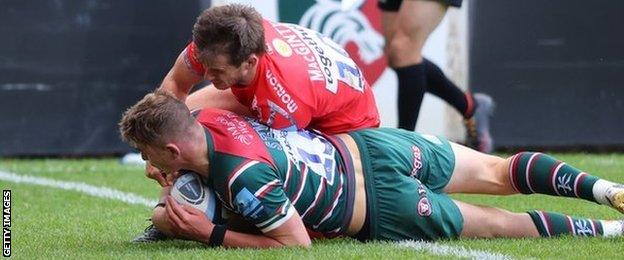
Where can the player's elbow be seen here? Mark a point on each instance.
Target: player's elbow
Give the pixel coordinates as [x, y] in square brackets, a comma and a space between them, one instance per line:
[295, 241]
[303, 243]
[171, 86]
[306, 245]
[291, 233]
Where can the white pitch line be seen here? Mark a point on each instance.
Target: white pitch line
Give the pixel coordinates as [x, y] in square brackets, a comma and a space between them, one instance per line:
[108, 193]
[101, 192]
[444, 250]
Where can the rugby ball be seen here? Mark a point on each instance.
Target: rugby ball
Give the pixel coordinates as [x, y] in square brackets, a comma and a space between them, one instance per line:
[189, 189]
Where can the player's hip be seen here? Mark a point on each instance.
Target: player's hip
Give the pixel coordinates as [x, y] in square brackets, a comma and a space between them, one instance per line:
[399, 205]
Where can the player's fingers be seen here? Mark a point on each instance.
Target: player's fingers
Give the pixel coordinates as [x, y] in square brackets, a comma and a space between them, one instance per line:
[161, 180]
[178, 210]
[166, 190]
[172, 177]
[191, 211]
[155, 174]
[173, 218]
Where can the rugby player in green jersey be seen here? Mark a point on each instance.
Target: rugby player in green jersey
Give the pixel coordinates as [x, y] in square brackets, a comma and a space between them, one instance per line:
[372, 184]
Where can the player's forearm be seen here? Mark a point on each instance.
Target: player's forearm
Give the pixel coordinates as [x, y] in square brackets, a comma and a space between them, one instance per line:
[180, 79]
[179, 90]
[242, 240]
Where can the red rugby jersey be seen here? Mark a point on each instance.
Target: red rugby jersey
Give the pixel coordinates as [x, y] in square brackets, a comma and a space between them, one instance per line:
[304, 80]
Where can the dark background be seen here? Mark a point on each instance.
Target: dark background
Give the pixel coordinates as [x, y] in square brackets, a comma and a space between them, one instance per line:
[69, 68]
[555, 69]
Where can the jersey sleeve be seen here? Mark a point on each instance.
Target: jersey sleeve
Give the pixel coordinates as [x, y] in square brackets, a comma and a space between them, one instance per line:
[256, 194]
[191, 59]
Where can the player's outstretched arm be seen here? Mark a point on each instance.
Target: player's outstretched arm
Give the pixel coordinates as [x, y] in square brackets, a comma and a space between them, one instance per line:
[189, 223]
[180, 79]
[290, 233]
[209, 96]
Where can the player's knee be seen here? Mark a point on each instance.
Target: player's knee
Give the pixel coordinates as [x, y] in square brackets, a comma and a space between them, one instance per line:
[486, 174]
[401, 50]
[497, 169]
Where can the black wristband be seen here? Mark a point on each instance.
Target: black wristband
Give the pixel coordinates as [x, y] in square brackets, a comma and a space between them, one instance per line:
[161, 204]
[217, 236]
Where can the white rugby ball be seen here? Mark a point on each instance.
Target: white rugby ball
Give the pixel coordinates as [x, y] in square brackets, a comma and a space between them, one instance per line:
[189, 189]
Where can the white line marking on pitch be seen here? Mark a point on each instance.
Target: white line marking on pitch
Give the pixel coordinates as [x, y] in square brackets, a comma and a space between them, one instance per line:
[444, 250]
[108, 193]
[102, 192]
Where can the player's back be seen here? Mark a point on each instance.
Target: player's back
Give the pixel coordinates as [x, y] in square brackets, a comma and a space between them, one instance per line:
[261, 173]
[308, 80]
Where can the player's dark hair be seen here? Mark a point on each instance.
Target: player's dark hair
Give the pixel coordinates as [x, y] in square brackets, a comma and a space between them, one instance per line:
[235, 30]
[155, 120]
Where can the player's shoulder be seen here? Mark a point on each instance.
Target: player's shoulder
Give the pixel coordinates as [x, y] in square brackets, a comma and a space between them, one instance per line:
[231, 134]
[231, 166]
[230, 173]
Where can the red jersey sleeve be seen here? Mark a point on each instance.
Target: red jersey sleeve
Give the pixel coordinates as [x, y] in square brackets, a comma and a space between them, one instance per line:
[191, 60]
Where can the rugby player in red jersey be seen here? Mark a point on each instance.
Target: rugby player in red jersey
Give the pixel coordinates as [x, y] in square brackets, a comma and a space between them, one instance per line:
[287, 76]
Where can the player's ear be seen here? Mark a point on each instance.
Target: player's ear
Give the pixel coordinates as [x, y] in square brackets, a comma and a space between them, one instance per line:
[173, 150]
[252, 60]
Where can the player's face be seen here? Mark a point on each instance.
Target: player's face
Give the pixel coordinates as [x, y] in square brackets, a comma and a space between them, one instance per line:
[158, 157]
[224, 75]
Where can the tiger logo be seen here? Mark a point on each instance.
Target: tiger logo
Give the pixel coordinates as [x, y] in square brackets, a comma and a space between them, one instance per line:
[352, 29]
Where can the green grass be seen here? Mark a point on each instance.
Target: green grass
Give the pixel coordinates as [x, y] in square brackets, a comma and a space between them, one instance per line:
[54, 223]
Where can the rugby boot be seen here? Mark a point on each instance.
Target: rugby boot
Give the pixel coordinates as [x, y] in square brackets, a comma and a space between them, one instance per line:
[478, 126]
[615, 196]
[151, 234]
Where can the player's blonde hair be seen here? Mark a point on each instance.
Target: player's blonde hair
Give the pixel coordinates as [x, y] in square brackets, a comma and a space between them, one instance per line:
[155, 120]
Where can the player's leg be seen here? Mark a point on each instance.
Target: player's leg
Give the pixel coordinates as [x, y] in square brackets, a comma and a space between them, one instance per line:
[476, 172]
[411, 26]
[490, 222]
[531, 172]
[528, 173]
[475, 110]
[441, 86]
[405, 32]
[388, 20]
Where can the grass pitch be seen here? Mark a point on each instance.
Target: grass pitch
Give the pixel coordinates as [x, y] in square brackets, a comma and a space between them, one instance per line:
[55, 223]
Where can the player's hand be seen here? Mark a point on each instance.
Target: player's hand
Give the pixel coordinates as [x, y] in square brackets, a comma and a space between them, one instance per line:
[155, 174]
[170, 178]
[187, 222]
[166, 190]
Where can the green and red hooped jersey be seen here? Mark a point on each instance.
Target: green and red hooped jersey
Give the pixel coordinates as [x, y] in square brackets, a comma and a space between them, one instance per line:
[304, 80]
[267, 175]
